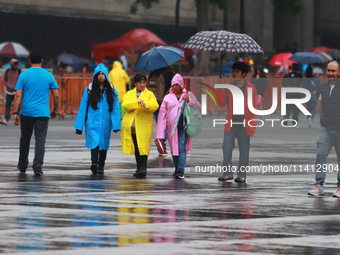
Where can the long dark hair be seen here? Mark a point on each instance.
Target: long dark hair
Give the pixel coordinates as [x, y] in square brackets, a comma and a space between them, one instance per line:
[96, 93]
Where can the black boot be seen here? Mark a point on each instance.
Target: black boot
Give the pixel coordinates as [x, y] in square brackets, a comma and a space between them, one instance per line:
[142, 170]
[136, 174]
[94, 168]
[102, 158]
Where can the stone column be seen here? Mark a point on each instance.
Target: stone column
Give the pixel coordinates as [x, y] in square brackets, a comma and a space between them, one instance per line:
[306, 28]
[267, 42]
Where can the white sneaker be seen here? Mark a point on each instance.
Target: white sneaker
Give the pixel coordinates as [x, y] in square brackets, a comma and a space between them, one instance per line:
[317, 191]
[337, 193]
[310, 123]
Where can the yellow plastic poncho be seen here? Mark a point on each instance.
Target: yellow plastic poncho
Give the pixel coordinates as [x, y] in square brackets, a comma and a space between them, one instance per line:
[143, 121]
[119, 78]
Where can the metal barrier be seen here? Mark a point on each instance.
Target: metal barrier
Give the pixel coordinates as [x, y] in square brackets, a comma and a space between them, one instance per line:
[71, 88]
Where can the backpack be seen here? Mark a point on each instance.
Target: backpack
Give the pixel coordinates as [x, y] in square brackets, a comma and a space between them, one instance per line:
[156, 86]
[192, 120]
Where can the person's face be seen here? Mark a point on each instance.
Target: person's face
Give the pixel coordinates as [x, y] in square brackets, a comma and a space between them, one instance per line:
[15, 66]
[176, 88]
[101, 77]
[140, 86]
[237, 74]
[332, 71]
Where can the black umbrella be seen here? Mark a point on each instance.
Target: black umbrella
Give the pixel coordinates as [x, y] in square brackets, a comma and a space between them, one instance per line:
[334, 53]
[223, 41]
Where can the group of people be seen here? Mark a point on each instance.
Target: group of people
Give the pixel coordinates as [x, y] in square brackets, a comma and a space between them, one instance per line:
[99, 112]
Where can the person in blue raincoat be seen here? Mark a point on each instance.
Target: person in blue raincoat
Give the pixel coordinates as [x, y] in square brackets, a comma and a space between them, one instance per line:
[99, 112]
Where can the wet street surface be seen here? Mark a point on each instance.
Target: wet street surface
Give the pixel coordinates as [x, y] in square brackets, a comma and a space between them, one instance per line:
[68, 211]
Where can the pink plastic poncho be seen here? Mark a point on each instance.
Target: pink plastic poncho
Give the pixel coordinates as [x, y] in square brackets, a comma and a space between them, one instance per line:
[168, 113]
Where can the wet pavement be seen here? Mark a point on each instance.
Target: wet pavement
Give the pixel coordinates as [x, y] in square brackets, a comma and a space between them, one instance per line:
[68, 211]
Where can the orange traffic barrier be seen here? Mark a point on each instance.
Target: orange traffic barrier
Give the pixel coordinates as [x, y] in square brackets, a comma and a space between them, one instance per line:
[72, 86]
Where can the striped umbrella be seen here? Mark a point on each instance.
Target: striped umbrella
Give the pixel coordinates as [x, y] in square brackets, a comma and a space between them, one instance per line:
[13, 49]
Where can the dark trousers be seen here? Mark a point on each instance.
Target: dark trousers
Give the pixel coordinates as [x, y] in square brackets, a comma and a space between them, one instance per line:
[243, 141]
[27, 125]
[296, 111]
[9, 102]
[98, 157]
[141, 160]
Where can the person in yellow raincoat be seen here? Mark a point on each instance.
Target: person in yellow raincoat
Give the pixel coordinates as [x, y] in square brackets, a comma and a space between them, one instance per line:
[137, 124]
[119, 79]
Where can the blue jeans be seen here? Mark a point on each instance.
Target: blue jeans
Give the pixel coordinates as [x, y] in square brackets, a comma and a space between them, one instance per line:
[180, 160]
[326, 140]
[27, 125]
[311, 105]
[243, 141]
[155, 114]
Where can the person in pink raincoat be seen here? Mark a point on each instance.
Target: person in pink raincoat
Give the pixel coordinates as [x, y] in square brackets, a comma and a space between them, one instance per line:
[180, 142]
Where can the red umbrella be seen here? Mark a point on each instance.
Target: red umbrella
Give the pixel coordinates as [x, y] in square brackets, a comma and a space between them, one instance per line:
[13, 49]
[187, 52]
[320, 49]
[281, 59]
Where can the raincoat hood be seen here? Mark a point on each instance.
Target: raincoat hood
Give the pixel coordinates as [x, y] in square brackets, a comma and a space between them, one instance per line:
[117, 64]
[177, 79]
[13, 61]
[101, 68]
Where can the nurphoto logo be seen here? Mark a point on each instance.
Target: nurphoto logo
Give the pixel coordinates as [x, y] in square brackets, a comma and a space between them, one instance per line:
[238, 103]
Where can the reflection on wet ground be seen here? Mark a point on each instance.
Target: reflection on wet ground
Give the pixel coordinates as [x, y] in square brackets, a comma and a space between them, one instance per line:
[70, 211]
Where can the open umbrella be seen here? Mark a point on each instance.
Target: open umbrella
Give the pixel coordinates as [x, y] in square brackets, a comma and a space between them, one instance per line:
[13, 49]
[158, 57]
[307, 58]
[334, 53]
[320, 49]
[187, 51]
[325, 56]
[222, 41]
[281, 59]
[69, 59]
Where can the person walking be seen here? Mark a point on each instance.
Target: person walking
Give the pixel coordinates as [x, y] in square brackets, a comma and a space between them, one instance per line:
[311, 83]
[33, 89]
[237, 126]
[164, 77]
[10, 79]
[139, 104]
[119, 79]
[180, 143]
[329, 134]
[292, 79]
[99, 112]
